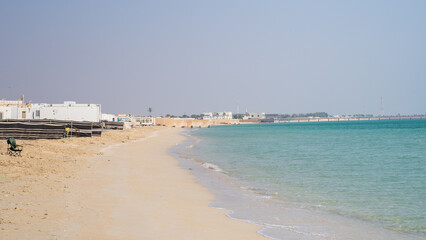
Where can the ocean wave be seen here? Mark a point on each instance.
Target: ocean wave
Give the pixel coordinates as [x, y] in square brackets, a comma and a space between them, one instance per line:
[211, 167]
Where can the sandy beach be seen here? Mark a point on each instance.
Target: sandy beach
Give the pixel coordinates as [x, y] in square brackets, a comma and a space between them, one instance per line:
[123, 185]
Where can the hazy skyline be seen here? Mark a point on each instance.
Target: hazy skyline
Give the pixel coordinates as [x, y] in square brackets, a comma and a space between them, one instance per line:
[189, 57]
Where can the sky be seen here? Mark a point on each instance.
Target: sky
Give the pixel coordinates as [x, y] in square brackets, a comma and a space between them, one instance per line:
[185, 57]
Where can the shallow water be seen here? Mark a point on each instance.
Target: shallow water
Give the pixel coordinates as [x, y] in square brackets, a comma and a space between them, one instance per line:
[339, 180]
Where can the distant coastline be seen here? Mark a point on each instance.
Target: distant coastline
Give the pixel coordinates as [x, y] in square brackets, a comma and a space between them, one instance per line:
[199, 123]
[338, 119]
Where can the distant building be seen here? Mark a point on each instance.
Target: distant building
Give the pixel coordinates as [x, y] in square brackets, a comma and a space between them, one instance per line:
[124, 118]
[248, 115]
[109, 117]
[218, 115]
[145, 121]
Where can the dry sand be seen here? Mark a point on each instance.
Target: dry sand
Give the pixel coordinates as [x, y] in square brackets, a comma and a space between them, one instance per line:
[122, 185]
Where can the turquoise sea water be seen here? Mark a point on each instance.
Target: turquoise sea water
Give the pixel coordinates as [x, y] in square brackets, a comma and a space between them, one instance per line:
[374, 171]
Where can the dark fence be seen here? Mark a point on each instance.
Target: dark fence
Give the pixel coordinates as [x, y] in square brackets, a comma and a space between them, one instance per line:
[114, 125]
[26, 130]
[48, 129]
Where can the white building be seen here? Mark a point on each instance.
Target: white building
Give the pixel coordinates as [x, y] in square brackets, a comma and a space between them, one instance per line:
[66, 111]
[254, 116]
[145, 121]
[14, 109]
[109, 117]
[218, 115]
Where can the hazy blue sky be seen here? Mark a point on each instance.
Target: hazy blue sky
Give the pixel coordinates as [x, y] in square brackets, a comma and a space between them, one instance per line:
[194, 56]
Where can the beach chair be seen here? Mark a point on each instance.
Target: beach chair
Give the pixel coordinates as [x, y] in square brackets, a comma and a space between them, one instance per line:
[13, 149]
